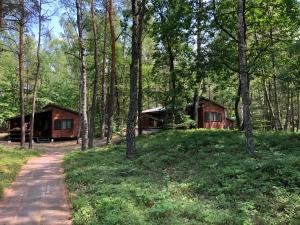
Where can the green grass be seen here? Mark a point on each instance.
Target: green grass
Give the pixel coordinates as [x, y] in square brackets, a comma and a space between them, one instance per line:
[188, 177]
[11, 161]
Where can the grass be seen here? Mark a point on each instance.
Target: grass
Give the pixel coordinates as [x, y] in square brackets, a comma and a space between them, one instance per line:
[11, 161]
[188, 177]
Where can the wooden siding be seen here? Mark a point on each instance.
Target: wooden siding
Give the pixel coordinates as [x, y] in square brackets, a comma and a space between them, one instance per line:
[65, 115]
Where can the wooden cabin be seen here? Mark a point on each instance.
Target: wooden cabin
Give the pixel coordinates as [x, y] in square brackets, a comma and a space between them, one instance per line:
[52, 122]
[153, 118]
[211, 115]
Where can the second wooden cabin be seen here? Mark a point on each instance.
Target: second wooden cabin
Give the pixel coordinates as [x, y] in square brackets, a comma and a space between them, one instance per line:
[210, 114]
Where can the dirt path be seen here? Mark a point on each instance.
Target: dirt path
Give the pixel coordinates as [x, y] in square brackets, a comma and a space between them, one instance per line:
[38, 195]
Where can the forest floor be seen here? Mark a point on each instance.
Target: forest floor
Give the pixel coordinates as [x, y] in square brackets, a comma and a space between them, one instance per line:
[38, 194]
[188, 177]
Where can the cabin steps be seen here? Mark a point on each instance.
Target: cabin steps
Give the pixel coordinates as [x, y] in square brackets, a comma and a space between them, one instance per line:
[43, 140]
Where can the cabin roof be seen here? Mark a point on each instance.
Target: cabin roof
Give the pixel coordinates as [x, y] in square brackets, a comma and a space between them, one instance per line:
[155, 110]
[202, 98]
[47, 108]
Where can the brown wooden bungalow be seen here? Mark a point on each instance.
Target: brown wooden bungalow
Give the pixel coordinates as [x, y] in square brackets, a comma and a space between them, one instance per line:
[52, 122]
[211, 115]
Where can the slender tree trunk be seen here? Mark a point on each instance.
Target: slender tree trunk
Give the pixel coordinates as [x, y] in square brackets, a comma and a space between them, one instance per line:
[112, 72]
[103, 79]
[245, 81]
[37, 75]
[118, 107]
[96, 77]
[199, 60]
[269, 104]
[288, 112]
[196, 106]
[236, 106]
[172, 81]
[21, 70]
[140, 90]
[276, 110]
[1, 14]
[84, 118]
[292, 121]
[298, 111]
[134, 70]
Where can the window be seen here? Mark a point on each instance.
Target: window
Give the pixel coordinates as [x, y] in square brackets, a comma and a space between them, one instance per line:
[63, 124]
[212, 117]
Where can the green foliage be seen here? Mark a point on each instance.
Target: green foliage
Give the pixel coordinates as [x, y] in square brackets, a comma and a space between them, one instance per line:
[188, 177]
[11, 161]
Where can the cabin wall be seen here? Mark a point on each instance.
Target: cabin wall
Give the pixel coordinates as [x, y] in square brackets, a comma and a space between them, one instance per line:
[61, 115]
[209, 107]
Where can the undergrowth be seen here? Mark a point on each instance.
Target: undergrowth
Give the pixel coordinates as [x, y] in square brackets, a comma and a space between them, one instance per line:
[188, 177]
[11, 161]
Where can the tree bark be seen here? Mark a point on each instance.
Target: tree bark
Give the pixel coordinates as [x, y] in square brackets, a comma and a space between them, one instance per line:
[1, 14]
[96, 77]
[103, 79]
[111, 103]
[140, 89]
[199, 60]
[196, 106]
[288, 112]
[245, 81]
[21, 70]
[236, 106]
[172, 81]
[138, 8]
[298, 111]
[84, 118]
[37, 75]
[269, 104]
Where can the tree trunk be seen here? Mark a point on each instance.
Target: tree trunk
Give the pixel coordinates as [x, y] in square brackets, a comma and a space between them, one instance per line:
[199, 60]
[140, 90]
[96, 77]
[1, 14]
[298, 111]
[37, 75]
[288, 112]
[236, 106]
[172, 81]
[84, 118]
[21, 70]
[269, 104]
[245, 81]
[134, 70]
[111, 101]
[103, 79]
[196, 106]
[292, 121]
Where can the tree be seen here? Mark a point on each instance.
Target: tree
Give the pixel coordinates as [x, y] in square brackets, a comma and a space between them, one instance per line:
[103, 80]
[111, 100]
[21, 70]
[137, 10]
[243, 70]
[37, 75]
[83, 77]
[96, 77]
